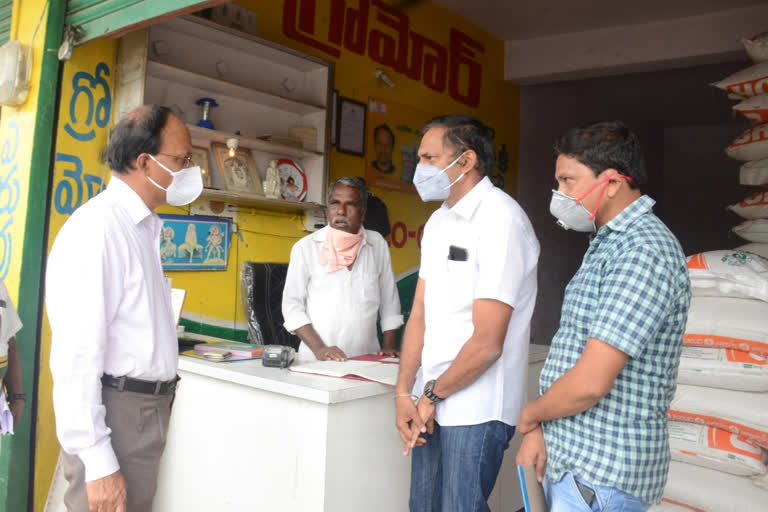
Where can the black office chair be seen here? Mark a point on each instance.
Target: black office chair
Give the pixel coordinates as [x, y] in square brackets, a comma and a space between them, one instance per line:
[262, 295]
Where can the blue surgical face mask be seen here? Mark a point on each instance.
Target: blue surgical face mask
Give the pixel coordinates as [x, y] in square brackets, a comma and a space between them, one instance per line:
[432, 183]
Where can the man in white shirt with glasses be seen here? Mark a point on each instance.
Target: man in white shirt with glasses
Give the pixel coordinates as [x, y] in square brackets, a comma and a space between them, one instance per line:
[115, 353]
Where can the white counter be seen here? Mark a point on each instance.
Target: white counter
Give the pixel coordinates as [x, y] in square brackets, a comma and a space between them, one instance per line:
[246, 437]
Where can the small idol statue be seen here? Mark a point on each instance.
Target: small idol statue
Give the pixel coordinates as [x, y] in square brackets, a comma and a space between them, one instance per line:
[272, 181]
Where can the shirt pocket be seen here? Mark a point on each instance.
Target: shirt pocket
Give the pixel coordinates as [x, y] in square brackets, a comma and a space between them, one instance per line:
[370, 288]
[458, 287]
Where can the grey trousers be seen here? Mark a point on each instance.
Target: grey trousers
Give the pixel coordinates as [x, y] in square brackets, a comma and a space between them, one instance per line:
[139, 424]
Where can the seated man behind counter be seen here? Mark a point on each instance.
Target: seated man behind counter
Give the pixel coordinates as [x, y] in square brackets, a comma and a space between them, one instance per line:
[339, 278]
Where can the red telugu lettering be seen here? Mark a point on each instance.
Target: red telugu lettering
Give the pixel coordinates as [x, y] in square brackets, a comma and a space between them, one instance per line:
[430, 62]
[306, 23]
[462, 54]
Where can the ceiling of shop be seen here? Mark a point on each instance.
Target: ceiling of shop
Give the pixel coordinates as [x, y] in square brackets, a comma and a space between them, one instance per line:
[515, 20]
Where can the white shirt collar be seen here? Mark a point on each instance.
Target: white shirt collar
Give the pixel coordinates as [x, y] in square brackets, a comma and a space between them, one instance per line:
[129, 199]
[467, 205]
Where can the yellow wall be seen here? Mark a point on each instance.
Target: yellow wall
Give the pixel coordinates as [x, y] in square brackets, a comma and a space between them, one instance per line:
[17, 128]
[213, 298]
[17, 125]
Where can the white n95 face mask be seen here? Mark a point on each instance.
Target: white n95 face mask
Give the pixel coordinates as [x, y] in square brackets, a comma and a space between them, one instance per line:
[187, 185]
[432, 183]
[570, 213]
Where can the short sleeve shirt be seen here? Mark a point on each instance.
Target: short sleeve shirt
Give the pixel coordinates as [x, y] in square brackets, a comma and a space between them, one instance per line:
[632, 292]
[483, 247]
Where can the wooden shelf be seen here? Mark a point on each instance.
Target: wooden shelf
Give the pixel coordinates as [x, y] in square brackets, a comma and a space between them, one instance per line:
[215, 87]
[200, 28]
[278, 150]
[257, 200]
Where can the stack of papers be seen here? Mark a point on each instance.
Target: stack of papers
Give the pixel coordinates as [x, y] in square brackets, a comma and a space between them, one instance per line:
[382, 371]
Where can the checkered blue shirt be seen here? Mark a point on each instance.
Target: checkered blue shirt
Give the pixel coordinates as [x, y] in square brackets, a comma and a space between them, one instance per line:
[632, 292]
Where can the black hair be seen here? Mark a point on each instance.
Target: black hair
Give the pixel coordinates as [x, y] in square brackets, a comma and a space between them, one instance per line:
[357, 183]
[463, 132]
[138, 132]
[605, 145]
[385, 128]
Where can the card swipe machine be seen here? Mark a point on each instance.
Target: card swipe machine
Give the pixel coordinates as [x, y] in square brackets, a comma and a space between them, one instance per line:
[278, 356]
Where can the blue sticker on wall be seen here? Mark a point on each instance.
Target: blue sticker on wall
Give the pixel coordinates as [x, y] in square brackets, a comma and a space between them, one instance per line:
[194, 243]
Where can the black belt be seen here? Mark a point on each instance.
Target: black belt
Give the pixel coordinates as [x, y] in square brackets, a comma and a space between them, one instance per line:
[140, 386]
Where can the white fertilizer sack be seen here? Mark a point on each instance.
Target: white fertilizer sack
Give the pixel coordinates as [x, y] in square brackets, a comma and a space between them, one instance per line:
[740, 324]
[759, 249]
[751, 145]
[703, 489]
[730, 273]
[738, 412]
[716, 449]
[761, 480]
[752, 207]
[753, 230]
[669, 507]
[757, 47]
[723, 368]
[755, 109]
[754, 173]
[747, 82]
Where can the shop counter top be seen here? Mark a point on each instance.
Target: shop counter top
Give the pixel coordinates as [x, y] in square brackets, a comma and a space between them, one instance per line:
[316, 388]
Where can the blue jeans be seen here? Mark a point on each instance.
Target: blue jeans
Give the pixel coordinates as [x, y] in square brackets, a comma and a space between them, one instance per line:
[564, 496]
[457, 468]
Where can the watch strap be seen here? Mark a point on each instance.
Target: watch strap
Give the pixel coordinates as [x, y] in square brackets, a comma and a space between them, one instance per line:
[17, 396]
[429, 394]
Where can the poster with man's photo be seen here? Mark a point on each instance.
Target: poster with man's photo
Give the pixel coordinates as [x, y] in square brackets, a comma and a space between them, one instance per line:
[394, 133]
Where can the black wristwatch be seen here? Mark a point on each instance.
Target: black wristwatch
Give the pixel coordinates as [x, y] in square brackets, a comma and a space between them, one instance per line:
[17, 396]
[428, 387]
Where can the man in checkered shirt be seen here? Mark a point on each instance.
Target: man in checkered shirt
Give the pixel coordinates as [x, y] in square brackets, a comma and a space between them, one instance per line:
[598, 433]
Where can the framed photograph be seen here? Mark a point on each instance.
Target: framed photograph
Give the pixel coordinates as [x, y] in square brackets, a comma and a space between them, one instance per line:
[334, 114]
[200, 157]
[194, 242]
[351, 127]
[238, 173]
[392, 146]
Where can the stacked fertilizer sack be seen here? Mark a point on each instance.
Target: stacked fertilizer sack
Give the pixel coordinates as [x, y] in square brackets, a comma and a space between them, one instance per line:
[750, 88]
[718, 429]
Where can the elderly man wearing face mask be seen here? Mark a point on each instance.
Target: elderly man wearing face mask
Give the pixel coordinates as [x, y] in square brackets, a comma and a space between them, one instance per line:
[114, 354]
[598, 433]
[339, 279]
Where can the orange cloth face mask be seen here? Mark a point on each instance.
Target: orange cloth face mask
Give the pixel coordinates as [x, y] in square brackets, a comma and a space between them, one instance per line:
[340, 248]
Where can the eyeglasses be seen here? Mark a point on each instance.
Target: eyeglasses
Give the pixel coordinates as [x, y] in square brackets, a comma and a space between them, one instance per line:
[186, 159]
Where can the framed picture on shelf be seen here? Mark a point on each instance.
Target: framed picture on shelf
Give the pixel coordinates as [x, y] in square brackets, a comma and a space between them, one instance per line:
[238, 173]
[200, 158]
[351, 127]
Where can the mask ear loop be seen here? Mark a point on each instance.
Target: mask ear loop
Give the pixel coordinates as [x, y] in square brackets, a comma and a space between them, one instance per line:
[600, 199]
[602, 194]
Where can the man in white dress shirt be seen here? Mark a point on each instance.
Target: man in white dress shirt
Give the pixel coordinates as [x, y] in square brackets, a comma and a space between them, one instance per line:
[470, 323]
[115, 352]
[339, 278]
